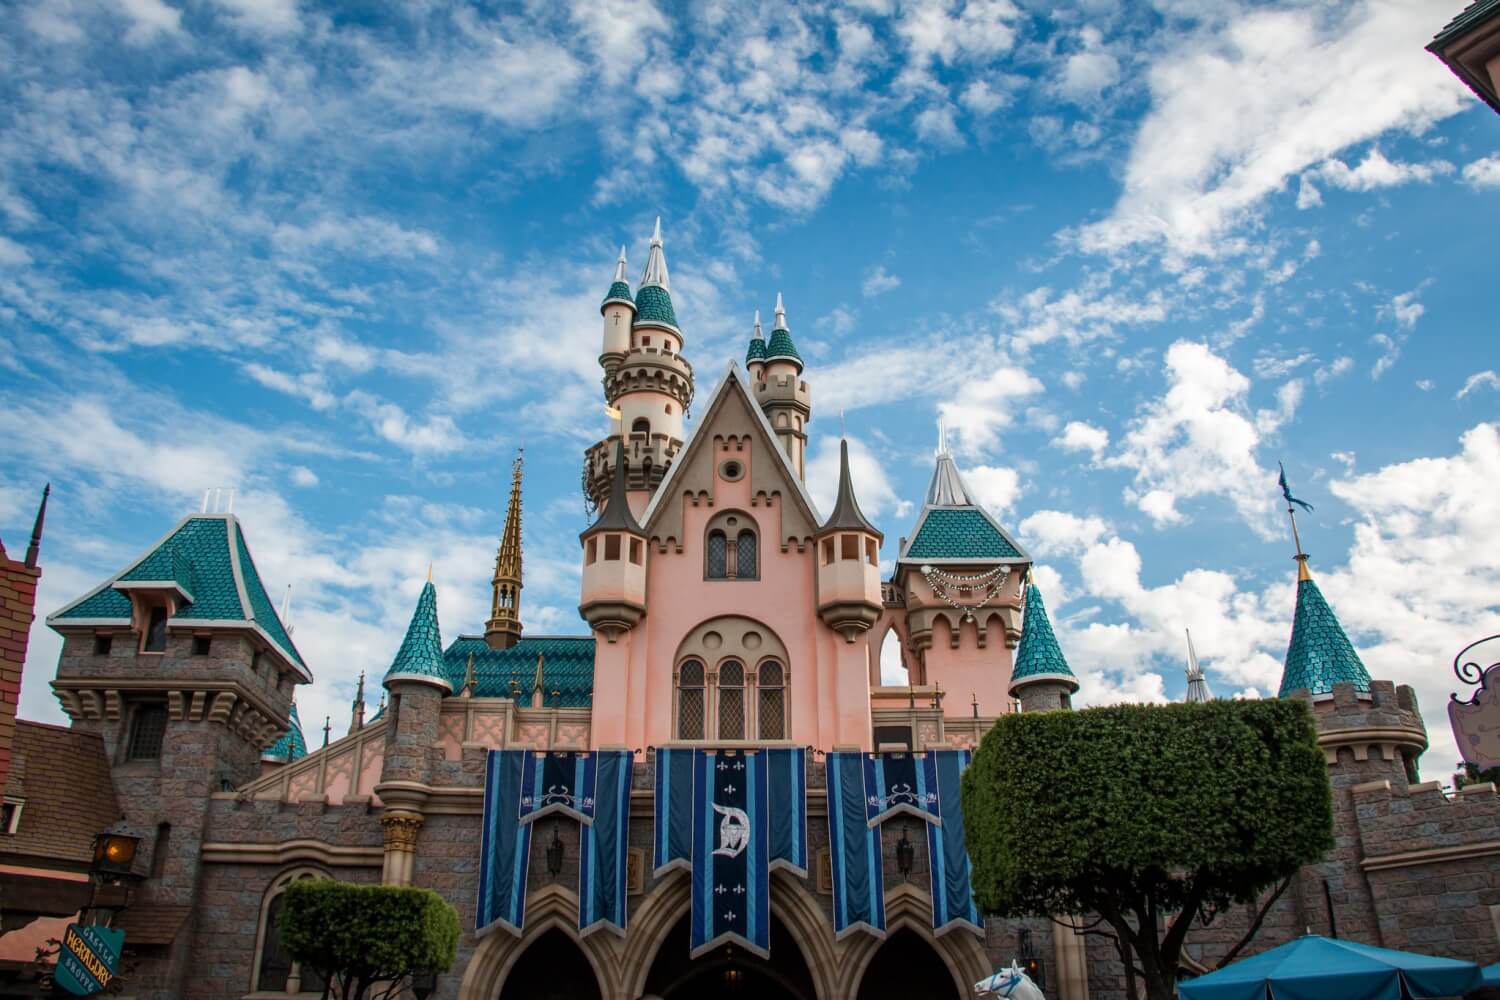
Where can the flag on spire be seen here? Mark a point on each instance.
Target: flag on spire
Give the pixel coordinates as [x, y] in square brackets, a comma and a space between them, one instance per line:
[1286, 491]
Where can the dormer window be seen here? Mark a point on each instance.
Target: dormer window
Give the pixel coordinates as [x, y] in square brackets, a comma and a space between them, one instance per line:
[156, 631]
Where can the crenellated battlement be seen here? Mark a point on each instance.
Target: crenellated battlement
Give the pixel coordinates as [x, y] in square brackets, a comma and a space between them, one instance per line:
[1385, 723]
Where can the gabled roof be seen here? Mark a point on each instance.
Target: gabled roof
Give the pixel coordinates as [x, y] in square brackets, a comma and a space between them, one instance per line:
[567, 668]
[953, 529]
[63, 776]
[420, 657]
[206, 560]
[731, 382]
[292, 746]
[1038, 656]
[1319, 655]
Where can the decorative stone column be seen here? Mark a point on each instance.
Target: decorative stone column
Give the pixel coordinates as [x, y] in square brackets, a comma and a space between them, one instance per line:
[401, 828]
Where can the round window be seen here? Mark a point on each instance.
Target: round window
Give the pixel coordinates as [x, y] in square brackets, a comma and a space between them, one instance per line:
[731, 470]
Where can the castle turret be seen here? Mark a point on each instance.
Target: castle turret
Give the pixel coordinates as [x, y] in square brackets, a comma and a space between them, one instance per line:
[848, 562]
[618, 310]
[290, 748]
[1041, 679]
[503, 629]
[782, 393]
[755, 355]
[646, 380]
[614, 562]
[1197, 684]
[417, 681]
[1319, 654]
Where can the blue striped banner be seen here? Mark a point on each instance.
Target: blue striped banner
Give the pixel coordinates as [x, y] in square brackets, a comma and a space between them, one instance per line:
[731, 857]
[786, 784]
[505, 846]
[603, 846]
[559, 781]
[673, 840]
[947, 851]
[854, 849]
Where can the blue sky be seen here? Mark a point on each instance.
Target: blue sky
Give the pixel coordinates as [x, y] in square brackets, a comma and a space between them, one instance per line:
[1133, 254]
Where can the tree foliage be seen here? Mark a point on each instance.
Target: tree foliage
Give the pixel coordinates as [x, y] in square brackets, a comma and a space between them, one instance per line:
[1147, 815]
[367, 937]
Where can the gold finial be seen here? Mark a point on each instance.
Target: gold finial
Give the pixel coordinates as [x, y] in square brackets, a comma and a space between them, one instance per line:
[429, 571]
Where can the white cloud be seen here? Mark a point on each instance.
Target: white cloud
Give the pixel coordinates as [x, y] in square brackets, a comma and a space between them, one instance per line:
[271, 17]
[150, 18]
[872, 487]
[1341, 365]
[879, 281]
[996, 489]
[1199, 439]
[1484, 173]
[301, 475]
[1253, 100]
[1089, 312]
[1404, 309]
[982, 408]
[1390, 351]
[1486, 378]
[1059, 532]
[1088, 72]
[1308, 195]
[1375, 171]
[1080, 435]
[938, 125]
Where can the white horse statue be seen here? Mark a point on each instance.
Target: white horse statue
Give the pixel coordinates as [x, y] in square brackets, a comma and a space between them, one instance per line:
[1011, 983]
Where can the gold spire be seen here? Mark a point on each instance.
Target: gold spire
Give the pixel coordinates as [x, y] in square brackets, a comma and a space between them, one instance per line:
[503, 630]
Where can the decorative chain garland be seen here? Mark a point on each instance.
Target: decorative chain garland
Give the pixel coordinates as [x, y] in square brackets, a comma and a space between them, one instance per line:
[991, 583]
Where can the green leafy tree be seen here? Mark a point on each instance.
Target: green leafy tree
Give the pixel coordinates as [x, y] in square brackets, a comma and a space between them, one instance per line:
[367, 940]
[1146, 818]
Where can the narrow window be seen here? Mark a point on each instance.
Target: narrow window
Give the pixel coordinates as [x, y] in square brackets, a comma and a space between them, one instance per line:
[745, 556]
[731, 701]
[635, 551]
[202, 644]
[611, 547]
[872, 552]
[593, 551]
[147, 727]
[827, 551]
[156, 631]
[159, 849]
[772, 685]
[645, 341]
[669, 409]
[848, 546]
[718, 556]
[690, 701]
[102, 644]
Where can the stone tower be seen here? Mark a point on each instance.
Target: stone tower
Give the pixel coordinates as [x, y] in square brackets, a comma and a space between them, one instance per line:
[503, 629]
[1041, 680]
[785, 398]
[648, 383]
[182, 666]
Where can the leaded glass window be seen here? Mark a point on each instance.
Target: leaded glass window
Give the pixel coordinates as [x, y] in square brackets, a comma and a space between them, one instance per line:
[718, 555]
[148, 726]
[772, 683]
[731, 701]
[690, 701]
[745, 555]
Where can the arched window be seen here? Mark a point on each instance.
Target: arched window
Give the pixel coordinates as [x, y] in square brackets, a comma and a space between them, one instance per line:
[771, 680]
[690, 700]
[744, 546]
[640, 426]
[275, 972]
[731, 700]
[718, 556]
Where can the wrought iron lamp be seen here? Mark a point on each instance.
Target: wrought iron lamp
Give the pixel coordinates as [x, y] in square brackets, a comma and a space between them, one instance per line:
[555, 853]
[906, 854]
[1030, 963]
[114, 853]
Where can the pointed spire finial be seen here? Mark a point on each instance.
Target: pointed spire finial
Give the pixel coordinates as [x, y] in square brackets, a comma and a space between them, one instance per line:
[471, 679]
[780, 323]
[503, 629]
[656, 264]
[757, 334]
[942, 436]
[327, 728]
[620, 265]
[36, 529]
[429, 571]
[656, 233]
[846, 514]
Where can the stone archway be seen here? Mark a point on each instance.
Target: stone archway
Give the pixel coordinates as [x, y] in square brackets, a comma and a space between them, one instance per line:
[908, 909]
[906, 966]
[552, 967]
[552, 909]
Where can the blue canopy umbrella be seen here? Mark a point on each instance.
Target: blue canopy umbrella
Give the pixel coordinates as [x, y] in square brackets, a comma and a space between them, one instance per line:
[1318, 968]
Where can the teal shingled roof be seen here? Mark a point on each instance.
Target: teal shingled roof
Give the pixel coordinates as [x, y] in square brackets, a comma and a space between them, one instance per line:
[781, 346]
[756, 351]
[568, 669]
[1038, 654]
[618, 292]
[653, 307]
[197, 555]
[959, 533]
[421, 654]
[1320, 654]
[291, 747]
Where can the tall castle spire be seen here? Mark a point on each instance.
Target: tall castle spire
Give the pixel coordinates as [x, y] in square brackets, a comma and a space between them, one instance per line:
[503, 630]
[1197, 684]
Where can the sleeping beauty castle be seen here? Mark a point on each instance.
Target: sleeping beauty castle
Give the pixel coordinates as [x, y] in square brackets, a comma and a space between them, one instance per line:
[712, 793]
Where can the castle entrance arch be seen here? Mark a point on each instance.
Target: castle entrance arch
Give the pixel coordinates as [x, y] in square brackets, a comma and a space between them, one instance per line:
[551, 968]
[907, 966]
[729, 972]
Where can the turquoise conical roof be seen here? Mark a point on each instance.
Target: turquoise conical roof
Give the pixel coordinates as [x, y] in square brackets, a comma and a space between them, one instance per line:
[1039, 657]
[292, 746]
[619, 289]
[757, 349]
[781, 347]
[420, 657]
[653, 301]
[1320, 654]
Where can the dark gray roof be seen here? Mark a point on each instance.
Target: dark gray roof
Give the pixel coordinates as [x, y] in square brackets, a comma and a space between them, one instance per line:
[846, 514]
[616, 515]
